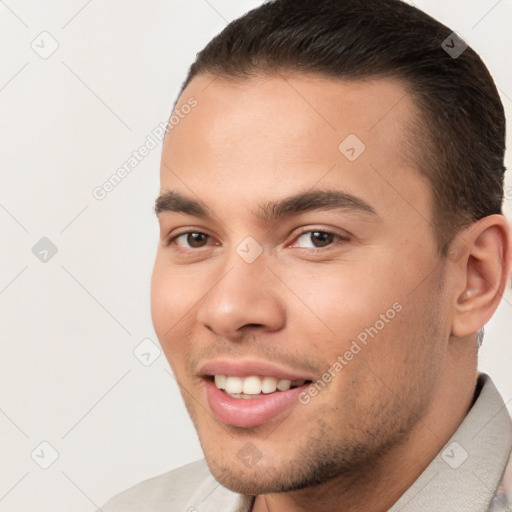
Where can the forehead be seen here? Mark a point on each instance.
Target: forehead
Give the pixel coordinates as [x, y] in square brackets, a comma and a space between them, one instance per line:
[250, 138]
[296, 105]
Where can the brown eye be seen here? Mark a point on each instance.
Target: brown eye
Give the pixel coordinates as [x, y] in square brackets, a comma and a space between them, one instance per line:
[321, 238]
[196, 239]
[316, 239]
[192, 239]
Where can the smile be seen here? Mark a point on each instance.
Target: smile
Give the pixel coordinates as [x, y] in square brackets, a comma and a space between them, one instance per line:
[249, 393]
[253, 386]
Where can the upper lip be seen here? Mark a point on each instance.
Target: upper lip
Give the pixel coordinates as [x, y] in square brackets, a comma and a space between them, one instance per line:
[246, 368]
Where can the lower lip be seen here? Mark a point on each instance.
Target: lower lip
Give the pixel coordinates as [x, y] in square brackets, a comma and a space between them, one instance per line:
[240, 412]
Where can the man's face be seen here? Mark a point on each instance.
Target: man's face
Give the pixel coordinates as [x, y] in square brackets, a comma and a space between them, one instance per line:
[340, 294]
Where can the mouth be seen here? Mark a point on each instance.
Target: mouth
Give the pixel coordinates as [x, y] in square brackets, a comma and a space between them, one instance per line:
[251, 394]
[254, 386]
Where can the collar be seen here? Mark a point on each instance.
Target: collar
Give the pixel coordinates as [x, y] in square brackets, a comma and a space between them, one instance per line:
[466, 474]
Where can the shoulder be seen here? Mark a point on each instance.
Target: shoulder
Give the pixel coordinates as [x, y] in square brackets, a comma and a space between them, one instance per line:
[157, 494]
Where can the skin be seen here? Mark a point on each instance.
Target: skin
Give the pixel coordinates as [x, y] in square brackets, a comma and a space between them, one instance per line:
[362, 441]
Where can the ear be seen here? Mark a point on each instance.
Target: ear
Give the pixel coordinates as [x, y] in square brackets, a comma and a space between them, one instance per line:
[483, 260]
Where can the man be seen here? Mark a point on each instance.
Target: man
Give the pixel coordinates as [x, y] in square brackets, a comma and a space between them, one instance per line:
[332, 244]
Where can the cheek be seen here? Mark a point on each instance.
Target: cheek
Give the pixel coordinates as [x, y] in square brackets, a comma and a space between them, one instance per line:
[363, 311]
[347, 297]
[172, 297]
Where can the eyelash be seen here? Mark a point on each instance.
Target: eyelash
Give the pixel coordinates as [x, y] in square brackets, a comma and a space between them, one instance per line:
[342, 238]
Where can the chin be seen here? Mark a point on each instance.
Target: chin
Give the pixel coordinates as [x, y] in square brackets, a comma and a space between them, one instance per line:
[264, 477]
[251, 482]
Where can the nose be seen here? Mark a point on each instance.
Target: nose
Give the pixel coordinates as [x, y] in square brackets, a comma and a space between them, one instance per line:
[245, 297]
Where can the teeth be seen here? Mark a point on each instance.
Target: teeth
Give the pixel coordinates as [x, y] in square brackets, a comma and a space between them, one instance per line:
[253, 385]
[284, 385]
[268, 385]
[234, 385]
[220, 381]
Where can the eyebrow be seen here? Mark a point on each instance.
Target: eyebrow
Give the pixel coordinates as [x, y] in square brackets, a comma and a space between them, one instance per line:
[270, 211]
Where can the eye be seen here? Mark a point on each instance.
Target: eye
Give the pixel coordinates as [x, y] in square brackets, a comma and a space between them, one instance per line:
[316, 239]
[190, 240]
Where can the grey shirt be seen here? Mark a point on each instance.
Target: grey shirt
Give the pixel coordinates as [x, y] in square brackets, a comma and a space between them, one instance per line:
[470, 474]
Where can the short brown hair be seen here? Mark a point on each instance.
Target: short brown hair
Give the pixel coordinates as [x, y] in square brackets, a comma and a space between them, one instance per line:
[462, 130]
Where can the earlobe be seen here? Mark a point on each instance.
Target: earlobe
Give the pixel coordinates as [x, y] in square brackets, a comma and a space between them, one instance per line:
[484, 268]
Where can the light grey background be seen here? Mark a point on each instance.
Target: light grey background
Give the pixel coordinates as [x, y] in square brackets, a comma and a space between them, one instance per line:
[69, 326]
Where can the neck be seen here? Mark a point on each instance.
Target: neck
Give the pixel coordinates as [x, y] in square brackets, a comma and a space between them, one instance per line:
[379, 484]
